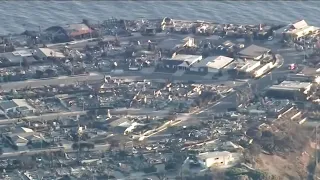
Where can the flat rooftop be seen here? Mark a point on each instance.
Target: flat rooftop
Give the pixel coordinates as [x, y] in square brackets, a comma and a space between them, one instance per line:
[215, 62]
[253, 51]
[187, 58]
[67, 80]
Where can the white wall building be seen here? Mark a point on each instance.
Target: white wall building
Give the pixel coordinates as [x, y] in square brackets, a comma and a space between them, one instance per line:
[219, 158]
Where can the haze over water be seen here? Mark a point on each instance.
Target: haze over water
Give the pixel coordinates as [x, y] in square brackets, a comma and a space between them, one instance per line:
[17, 16]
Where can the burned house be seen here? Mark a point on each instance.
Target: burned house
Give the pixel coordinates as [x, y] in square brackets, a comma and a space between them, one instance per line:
[22, 137]
[16, 58]
[172, 45]
[69, 32]
[18, 106]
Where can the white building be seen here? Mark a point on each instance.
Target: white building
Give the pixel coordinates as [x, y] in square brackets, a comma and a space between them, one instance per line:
[219, 158]
[211, 64]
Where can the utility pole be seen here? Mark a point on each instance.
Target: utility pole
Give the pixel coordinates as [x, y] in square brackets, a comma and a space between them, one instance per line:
[304, 48]
[99, 26]
[78, 149]
[316, 165]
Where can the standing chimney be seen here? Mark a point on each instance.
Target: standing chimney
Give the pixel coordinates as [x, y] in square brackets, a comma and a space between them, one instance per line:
[108, 114]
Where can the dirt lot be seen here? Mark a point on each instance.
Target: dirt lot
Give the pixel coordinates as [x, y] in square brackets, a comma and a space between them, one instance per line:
[291, 167]
[291, 154]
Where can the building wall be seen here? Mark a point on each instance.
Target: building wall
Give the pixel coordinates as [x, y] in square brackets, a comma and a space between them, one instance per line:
[263, 69]
[218, 161]
[253, 66]
[195, 69]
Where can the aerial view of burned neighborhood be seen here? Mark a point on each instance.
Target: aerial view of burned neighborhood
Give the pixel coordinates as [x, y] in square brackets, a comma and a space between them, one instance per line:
[160, 99]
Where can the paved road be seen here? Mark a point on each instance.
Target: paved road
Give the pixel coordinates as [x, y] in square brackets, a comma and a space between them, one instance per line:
[34, 83]
[44, 117]
[162, 77]
[135, 111]
[27, 152]
[30, 152]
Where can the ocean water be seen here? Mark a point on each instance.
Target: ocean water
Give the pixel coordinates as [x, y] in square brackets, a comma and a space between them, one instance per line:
[17, 16]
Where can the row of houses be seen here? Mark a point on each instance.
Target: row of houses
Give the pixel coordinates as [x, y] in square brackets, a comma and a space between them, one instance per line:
[249, 62]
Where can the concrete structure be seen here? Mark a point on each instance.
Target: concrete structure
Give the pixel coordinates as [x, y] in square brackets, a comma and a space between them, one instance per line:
[211, 159]
[120, 125]
[254, 52]
[212, 64]
[70, 31]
